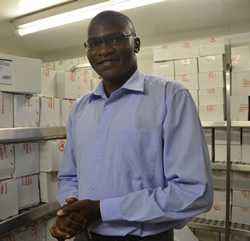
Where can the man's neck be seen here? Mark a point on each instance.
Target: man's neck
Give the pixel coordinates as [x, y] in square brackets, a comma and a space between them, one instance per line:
[112, 85]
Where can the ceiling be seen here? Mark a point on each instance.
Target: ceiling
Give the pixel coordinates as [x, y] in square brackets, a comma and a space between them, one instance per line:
[162, 19]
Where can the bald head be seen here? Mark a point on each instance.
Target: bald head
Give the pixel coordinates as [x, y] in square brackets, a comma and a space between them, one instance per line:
[112, 19]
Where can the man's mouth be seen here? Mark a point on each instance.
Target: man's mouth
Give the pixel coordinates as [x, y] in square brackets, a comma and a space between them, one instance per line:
[107, 62]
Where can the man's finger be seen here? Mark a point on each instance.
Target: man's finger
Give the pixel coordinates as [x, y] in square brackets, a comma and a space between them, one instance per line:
[59, 235]
[65, 210]
[71, 200]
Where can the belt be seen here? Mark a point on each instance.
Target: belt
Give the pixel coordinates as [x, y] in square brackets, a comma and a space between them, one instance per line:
[164, 236]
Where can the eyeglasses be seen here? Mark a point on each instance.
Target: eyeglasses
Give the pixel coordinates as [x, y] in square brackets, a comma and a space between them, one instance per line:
[113, 40]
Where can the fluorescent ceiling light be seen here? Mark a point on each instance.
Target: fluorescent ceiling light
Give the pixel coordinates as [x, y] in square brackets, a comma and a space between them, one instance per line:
[81, 14]
[25, 6]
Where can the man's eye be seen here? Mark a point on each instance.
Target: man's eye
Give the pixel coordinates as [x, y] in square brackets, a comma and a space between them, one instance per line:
[94, 43]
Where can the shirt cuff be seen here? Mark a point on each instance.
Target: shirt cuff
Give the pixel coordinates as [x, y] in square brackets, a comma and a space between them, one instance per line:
[111, 209]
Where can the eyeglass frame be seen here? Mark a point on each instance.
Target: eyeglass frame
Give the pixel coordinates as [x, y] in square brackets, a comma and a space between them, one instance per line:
[103, 40]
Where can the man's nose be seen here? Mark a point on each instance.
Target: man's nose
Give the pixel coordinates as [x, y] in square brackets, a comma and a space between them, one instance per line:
[105, 49]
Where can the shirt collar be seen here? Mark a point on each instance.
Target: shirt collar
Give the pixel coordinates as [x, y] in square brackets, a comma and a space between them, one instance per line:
[134, 83]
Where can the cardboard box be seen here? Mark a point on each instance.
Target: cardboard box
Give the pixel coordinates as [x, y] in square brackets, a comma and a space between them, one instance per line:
[6, 161]
[50, 112]
[28, 191]
[240, 58]
[211, 63]
[6, 110]
[26, 159]
[221, 136]
[66, 106]
[26, 111]
[51, 153]
[221, 153]
[95, 82]
[48, 186]
[8, 199]
[69, 64]
[212, 112]
[48, 82]
[241, 82]
[67, 85]
[241, 215]
[189, 81]
[163, 53]
[20, 74]
[212, 46]
[186, 49]
[212, 96]
[83, 81]
[194, 94]
[164, 69]
[240, 106]
[186, 66]
[210, 80]
[241, 198]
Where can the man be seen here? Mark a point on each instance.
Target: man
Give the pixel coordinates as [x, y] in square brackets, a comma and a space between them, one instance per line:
[136, 164]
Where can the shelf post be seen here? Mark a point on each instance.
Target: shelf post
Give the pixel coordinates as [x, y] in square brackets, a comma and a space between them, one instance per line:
[228, 78]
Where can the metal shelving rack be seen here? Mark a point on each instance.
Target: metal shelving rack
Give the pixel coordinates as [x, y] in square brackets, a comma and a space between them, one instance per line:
[27, 134]
[226, 226]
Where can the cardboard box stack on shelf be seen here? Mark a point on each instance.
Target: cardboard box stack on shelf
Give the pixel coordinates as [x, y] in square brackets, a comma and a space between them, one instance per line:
[211, 93]
[26, 111]
[204, 80]
[26, 174]
[20, 108]
[240, 83]
[6, 110]
[49, 112]
[51, 152]
[186, 72]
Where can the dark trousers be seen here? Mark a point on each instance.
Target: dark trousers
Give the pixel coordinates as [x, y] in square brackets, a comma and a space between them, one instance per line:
[164, 236]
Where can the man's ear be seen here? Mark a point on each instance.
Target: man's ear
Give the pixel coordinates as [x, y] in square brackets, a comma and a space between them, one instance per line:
[137, 45]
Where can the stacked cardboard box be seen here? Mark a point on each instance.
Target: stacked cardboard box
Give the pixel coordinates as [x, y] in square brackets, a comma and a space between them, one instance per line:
[8, 198]
[211, 84]
[51, 152]
[26, 174]
[241, 83]
[26, 111]
[49, 112]
[6, 110]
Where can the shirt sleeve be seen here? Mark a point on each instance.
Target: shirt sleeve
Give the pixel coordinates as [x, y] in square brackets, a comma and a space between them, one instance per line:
[67, 175]
[188, 190]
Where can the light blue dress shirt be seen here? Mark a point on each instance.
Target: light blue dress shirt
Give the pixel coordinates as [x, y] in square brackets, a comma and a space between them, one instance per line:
[141, 152]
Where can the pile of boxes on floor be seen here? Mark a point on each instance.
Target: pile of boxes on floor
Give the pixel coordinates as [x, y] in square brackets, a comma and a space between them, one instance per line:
[23, 164]
[199, 66]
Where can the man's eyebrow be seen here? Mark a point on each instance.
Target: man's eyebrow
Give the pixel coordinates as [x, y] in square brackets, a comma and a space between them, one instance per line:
[109, 35]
